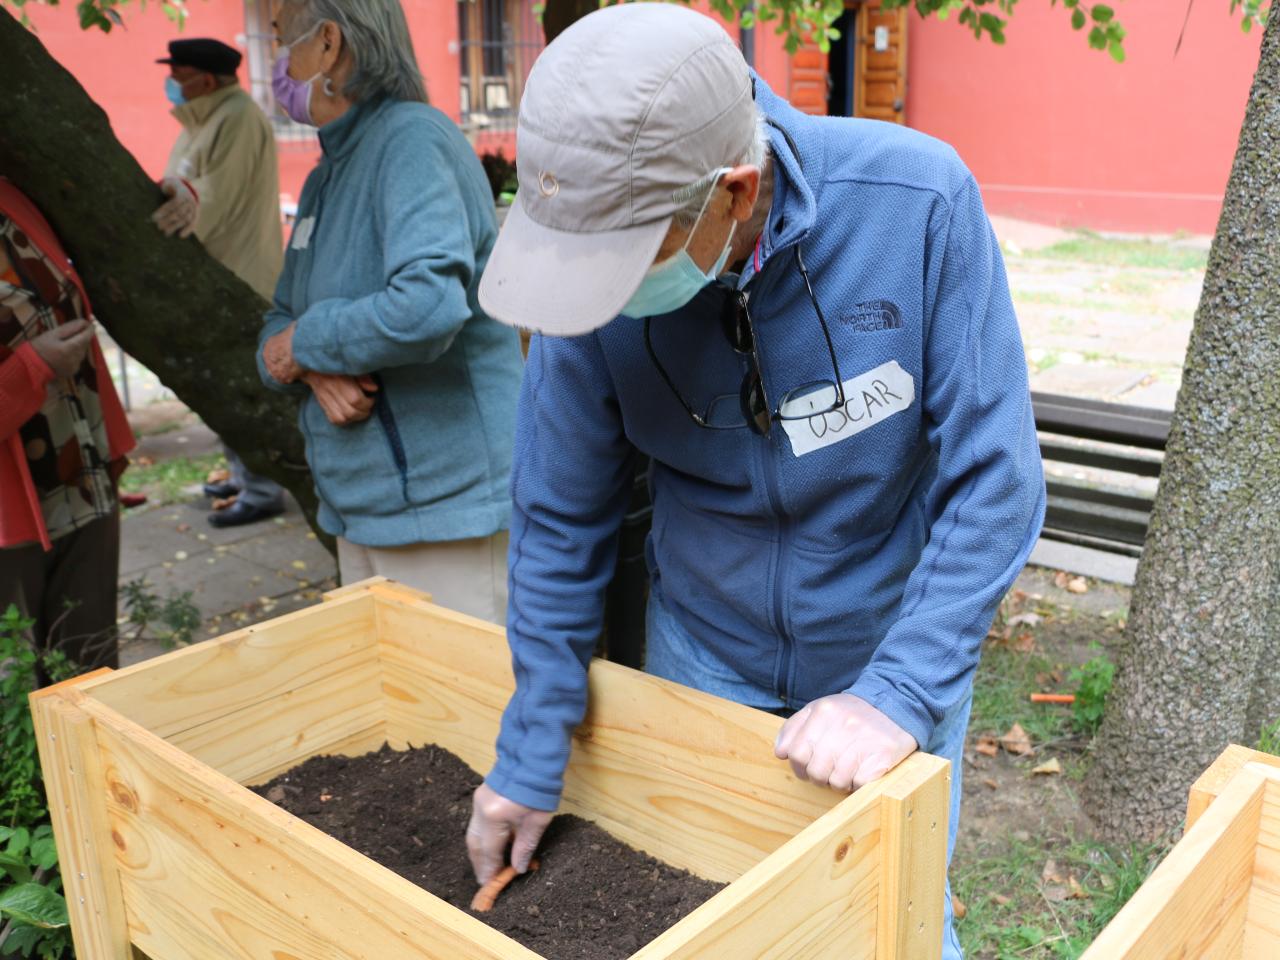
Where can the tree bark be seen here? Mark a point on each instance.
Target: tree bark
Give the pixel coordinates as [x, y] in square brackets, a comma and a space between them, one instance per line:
[165, 301]
[1199, 668]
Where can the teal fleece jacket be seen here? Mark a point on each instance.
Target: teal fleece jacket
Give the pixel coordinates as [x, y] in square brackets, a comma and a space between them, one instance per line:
[394, 228]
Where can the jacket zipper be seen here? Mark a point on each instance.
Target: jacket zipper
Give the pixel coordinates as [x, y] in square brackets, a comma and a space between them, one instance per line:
[781, 680]
[392, 432]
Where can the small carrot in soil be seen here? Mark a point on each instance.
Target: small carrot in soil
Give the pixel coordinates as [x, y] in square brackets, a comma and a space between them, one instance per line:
[487, 895]
[1053, 698]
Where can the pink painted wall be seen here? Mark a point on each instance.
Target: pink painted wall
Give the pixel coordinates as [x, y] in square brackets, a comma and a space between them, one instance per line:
[119, 72]
[1059, 133]
[1054, 131]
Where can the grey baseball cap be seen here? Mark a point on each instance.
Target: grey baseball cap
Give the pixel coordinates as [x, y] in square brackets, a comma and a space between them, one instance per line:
[626, 107]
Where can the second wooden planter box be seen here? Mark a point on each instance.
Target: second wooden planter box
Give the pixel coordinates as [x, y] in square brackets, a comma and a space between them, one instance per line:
[163, 847]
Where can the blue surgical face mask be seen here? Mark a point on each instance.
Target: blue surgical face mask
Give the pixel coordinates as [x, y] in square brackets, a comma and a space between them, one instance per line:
[173, 90]
[671, 284]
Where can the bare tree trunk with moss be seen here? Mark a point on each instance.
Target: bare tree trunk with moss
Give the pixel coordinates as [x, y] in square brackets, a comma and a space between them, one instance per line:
[1201, 664]
[165, 301]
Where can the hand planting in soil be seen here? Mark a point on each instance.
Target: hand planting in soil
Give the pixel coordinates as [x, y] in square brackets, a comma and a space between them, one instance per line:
[593, 898]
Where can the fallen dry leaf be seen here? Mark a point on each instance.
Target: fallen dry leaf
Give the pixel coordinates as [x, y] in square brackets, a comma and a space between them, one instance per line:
[1016, 741]
[987, 746]
[1060, 579]
[958, 908]
[218, 476]
[1047, 769]
[1025, 619]
[1052, 873]
[326, 797]
[991, 784]
[1055, 893]
[1078, 585]
[1077, 892]
[298, 565]
[223, 502]
[1025, 643]
[142, 461]
[1001, 899]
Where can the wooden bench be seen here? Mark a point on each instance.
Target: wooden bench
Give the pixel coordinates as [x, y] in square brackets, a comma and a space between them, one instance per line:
[1102, 436]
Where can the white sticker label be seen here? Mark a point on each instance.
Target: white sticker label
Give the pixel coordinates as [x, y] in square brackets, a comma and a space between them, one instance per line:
[302, 233]
[874, 396]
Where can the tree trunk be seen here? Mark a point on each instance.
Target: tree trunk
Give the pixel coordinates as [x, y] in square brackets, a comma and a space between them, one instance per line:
[1200, 666]
[559, 14]
[165, 301]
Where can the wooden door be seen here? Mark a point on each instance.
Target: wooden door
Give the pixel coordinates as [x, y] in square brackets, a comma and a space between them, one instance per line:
[880, 66]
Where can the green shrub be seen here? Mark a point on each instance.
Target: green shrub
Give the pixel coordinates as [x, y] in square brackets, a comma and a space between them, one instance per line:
[1093, 683]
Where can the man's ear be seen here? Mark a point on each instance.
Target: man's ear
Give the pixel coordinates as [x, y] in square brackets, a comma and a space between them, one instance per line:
[744, 188]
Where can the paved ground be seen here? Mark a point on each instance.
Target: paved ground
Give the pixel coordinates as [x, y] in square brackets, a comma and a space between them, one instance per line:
[1112, 331]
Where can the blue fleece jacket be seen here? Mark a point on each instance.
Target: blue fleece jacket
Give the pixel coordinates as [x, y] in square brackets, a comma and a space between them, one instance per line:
[861, 551]
[394, 227]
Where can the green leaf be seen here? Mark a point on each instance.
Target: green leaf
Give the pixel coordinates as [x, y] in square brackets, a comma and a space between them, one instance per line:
[19, 840]
[1116, 49]
[15, 867]
[1102, 14]
[34, 904]
[1098, 38]
[1078, 20]
[44, 854]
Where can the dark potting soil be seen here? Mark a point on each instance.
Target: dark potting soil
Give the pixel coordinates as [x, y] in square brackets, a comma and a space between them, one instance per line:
[593, 897]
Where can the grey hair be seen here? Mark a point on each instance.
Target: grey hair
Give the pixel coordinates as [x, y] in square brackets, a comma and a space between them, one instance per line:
[696, 195]
[377, 35]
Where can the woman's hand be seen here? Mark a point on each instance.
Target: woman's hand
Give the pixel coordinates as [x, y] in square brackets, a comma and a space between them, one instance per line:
[344, 400]
[277, 355]
[64, 347]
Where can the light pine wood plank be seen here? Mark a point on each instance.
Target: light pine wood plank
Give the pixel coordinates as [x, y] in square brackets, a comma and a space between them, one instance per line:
[913, 858]
[821, 896]
[1210, 783]
[1262, 923]
[209, 869]
[215, 679]
[1194, 903]
[76, 788]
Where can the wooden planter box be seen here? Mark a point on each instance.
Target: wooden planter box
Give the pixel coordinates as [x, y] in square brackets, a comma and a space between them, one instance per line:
[1217, 893]
[164, 848]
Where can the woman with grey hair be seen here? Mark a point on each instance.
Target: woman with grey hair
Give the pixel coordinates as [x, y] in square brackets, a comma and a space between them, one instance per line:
[408, 388]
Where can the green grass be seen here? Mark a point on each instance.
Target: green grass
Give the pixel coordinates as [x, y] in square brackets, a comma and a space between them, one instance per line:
[1087, 247]
[1006, 679]
[166, 481]
[1269, 740]
[1010, 914]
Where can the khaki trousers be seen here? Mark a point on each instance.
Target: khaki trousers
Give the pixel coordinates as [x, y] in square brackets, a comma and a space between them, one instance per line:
[469, 576]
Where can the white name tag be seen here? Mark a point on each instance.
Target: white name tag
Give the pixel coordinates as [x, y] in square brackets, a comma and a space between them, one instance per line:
[302, 233]
[870, 398]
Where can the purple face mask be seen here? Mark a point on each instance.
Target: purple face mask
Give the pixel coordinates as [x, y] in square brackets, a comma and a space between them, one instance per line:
[294, 96]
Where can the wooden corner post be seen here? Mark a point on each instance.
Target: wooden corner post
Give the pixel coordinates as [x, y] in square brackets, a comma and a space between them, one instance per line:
[75, 783]
[913, 873]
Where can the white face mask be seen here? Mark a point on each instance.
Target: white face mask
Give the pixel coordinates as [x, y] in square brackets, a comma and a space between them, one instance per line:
[671, 284]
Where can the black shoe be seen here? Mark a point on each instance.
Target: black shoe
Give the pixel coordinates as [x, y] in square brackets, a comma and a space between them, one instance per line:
[220, 491]
[240, 513]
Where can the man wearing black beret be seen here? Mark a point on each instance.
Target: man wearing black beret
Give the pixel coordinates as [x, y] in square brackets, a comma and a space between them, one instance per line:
[223, 185]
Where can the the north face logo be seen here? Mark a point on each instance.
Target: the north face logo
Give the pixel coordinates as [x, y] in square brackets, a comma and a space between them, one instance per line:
[874, 315]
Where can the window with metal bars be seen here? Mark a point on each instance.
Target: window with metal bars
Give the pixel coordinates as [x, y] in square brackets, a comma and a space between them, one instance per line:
[498, 40]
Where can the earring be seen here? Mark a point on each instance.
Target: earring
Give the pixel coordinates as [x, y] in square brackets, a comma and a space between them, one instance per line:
[328, 88]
